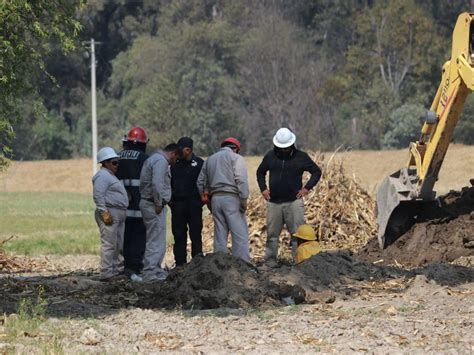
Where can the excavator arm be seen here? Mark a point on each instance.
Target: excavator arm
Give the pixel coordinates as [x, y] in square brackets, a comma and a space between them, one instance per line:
[401, 195]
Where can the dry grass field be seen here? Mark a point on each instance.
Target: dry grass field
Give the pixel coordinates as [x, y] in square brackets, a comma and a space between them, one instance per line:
[369, 167]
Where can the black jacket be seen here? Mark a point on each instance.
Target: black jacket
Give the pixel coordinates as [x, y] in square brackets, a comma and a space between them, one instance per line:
[286, 174]
[130, 167]
[184, 176]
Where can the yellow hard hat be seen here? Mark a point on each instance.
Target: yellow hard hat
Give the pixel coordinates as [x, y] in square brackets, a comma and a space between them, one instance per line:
[306, 232]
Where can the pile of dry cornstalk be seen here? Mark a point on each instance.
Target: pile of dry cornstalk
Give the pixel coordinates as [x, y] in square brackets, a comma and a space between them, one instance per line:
[7, 263]
[339, 209]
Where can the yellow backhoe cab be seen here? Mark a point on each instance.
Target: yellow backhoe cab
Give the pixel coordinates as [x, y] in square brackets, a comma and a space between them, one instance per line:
[402, 195]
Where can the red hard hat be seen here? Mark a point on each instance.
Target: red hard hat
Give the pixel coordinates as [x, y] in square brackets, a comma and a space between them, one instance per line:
[232, 140]
[136, 134]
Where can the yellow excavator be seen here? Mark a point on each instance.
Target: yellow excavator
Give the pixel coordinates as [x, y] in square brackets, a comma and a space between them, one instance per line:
[402, 195]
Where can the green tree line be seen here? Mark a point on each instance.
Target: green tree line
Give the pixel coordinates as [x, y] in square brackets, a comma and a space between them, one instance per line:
[353, 72]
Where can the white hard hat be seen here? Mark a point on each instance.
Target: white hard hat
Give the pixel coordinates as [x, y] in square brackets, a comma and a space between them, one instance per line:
[284, 138]
[106, 153]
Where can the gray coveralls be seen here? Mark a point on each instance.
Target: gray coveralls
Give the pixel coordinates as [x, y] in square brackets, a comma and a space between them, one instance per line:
[224, 176]
[155, 190]
[110, 195]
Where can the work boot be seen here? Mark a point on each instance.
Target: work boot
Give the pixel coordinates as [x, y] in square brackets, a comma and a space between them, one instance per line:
[136, 278]
[271, 263]
[161, 276]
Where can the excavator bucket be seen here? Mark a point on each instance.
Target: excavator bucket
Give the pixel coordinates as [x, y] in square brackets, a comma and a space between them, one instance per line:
[404, 194]
[396, 207]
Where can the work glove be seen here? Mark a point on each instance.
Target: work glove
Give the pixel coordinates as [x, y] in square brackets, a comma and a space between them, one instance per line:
[106, 217]
[243, 205]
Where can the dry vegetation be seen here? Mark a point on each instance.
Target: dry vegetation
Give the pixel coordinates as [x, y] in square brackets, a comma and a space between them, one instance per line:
[340, 209]
[368, 167]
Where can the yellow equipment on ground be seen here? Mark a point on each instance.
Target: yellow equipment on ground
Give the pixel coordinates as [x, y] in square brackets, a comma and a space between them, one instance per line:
[310, 247]
[307, 250]
[401, 196]
[306, 232]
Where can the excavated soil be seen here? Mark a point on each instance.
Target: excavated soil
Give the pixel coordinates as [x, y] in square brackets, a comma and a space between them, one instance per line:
[443, 232]
[208, 282]
[222, 281]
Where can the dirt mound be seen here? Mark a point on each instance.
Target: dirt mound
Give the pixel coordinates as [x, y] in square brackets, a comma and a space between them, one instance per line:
[339, 268]
[443, 232]
[447, 274]
[220, 280]
[213, 281]
[341, 211]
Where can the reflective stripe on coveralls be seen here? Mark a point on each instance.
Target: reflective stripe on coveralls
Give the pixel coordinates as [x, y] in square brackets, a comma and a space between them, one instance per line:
[131, 182]
[134, 214]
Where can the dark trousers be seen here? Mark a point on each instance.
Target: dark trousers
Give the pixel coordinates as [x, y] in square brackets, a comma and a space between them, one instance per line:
[134, 244]
[187, 213]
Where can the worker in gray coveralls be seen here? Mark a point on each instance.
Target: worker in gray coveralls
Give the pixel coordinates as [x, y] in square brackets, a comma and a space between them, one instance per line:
[155, 191]
[111, 202]
[224, 177]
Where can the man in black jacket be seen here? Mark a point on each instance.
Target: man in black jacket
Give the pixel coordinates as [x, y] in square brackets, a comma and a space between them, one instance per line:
[131, 162]
[186, 205]
[285, 193]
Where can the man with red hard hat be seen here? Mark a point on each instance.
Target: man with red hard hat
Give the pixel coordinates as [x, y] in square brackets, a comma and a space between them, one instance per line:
[132, 158]
[224, 178]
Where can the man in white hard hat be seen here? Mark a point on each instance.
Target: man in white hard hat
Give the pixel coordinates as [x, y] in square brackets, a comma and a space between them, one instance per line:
[111, 202]
[285, 191]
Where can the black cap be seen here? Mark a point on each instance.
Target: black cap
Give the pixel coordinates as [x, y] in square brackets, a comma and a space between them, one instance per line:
[185, 142]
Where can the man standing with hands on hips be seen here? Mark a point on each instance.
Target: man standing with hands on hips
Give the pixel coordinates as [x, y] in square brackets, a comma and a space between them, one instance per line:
[285, 192]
